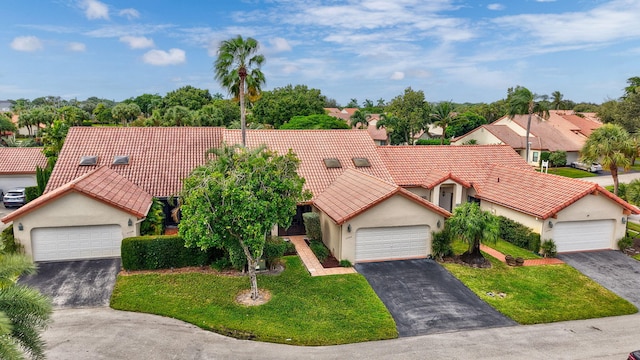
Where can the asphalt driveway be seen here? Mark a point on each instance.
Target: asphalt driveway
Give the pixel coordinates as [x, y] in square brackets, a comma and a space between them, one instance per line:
[611, 269]
[76, 284]
[424, 298]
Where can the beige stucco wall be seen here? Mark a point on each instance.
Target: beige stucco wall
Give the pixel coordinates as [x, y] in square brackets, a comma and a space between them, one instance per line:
[395, 211]
[72, 209]
[422, 192]
[527, 220]
[481, 136]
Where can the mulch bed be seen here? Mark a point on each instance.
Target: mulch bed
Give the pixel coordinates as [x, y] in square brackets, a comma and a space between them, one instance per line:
[331, 262]
[635, 249]
[204, 270]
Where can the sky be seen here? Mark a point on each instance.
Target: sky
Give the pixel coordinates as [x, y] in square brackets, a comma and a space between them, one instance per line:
[463, 51]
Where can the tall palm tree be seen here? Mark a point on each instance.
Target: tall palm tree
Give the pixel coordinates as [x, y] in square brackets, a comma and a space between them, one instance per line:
[612, 146]
[472, 225]
[557, 100]
[237, 68]
[442, 116]
[523, 102]
[359, 119]
[24, 312]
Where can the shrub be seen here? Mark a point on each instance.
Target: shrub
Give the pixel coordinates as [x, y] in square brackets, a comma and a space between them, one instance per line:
[290, 248]
[8, 244]
[345, 263]
[318, 248]
[544, 156]
[432, 142]
[30, 193]
[153, 224]
[558, 158]
[163, 252]
[518, 234]
[312, 226]
[441, 244]
[548, 248]
[274, 249]
[625, 242]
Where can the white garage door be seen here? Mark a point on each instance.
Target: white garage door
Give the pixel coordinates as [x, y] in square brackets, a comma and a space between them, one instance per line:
[583, 235]
[387, 243]
[76, 242]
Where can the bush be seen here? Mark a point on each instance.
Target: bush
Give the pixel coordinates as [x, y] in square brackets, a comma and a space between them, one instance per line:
[163, 252]
[321, 251]
[153, 224]
[548, 248]
[432, 142]
[290, 248]
[625, 242]
[441, 244]
[544, 156]
[8, 244]
[274, 249]
[312, 226]
[30, 193]
[518, 234]
[345, 263]
[558, 158]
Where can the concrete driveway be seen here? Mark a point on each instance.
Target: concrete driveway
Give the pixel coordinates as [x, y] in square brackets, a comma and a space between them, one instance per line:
[611, 269]
[76, 284]
[424, 298]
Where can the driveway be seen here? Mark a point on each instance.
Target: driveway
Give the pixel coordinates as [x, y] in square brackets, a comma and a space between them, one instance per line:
[76, 284]
[611, 269]
[424, 298]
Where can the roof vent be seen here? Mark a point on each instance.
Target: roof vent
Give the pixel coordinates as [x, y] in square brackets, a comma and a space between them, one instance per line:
[332, 163]
[121, 160]
[361, 162]
[88, 160]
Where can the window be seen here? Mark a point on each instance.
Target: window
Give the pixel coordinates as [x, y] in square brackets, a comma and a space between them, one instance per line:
[121, 160]
[361, 162]
[473, 199]
[535, 156]
[88, 160]
[332, 163]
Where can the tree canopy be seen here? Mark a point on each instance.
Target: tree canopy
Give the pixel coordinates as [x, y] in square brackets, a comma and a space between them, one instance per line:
[523, 102]
[473, 226]
[278, 106]
[188, 96]
[315, 122]
[408, 115]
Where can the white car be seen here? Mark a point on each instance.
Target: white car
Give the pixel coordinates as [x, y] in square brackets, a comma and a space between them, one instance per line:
[594, 167]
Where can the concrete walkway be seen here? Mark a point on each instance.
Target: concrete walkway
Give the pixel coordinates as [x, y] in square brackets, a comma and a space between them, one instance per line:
[529, 262]
[607, 180]
[311, 262]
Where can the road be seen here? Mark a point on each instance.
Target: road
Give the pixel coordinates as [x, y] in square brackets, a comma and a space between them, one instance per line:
[606, 179]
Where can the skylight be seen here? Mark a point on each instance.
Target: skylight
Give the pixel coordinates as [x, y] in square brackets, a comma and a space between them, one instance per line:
[361, 162]
[121, 160]
[332, 163]
[88, 160]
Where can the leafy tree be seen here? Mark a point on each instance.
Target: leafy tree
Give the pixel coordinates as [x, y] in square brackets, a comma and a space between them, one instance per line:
[523, 102]
[6, 125]
[234, 201]
[24, 312]
[279, 105]
[229, 110]
[353, 103]
[411, 112]
[558, 158]
[125, 112]
[72, 115]
[586, 107]
[177, 116]
[315, 122]
[442, 115]
[632, 192]
[396, 128]
[612, 146]
[102, 114]
[633, 86]
[153, 223]
[360, 119]
[53, 139]
[464, 123]
[149, 102]
[473, 226]
[188, 96]
[607, 113]
[627, 112]
[237, 68]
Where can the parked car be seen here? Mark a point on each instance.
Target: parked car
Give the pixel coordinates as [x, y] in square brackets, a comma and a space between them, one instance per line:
[14, 198]
[593, 167]
[634, 355]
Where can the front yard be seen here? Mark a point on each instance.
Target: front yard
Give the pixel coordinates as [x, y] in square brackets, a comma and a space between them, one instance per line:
[303, 310]
[571, 172]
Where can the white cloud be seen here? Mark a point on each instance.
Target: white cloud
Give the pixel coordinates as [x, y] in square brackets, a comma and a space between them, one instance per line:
[26, 43]
[398, 75]
[279, 45]
[163, 58]
[495, 7]
[137, 42]
[94, 9]
[129, 13]
[76, 47]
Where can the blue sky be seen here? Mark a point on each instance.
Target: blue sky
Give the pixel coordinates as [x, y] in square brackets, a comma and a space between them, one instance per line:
[465, 51]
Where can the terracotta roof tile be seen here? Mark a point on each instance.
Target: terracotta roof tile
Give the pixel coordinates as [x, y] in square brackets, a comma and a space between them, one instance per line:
[18, 160]
[353, 192]
[102, 184]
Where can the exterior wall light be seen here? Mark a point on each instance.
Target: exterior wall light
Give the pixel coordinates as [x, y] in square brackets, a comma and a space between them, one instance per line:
[438, 224]
[20, 227]
[550, 225]
[624, 220]
[130, 223]
[349, 228]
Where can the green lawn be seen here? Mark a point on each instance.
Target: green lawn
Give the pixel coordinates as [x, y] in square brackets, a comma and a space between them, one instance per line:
[637, 257]
[303, 310]
[541, 294]
[571, 172]
[510, 249]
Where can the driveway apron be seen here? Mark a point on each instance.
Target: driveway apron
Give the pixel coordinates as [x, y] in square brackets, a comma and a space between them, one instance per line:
[424, 298]
[74, 284]
[611, 269]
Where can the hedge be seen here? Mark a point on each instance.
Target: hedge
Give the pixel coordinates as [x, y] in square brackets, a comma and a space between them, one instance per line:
[163, 252]
[518, 234]
[433, 142]
[31, 193]
[312, 226]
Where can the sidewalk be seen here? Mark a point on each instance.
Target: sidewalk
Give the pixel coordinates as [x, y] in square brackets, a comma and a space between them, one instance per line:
[532, 262]
[311, 262]
[607, 180]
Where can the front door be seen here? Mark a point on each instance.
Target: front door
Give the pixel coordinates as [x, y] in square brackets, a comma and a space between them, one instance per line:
[297, 223]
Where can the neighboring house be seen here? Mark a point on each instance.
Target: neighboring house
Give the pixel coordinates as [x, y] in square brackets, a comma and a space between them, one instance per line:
[375, 202]
[5, 105]
[379, 136]
[18, 166]
[564, 130]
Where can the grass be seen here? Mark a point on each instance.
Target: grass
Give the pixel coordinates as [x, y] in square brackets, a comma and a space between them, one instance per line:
[637, 257]
[508, 248]
[303, 310]
[541, 294]
[571, 172]
[633, 226]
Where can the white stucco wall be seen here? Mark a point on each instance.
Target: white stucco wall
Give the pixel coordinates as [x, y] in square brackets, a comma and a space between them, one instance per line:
[72, 209]
[529, 221]
[481, 136]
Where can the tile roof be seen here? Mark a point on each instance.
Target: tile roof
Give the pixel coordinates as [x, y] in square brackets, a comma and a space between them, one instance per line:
[102, 184]
[376, 134]
[506, 135]
[19, 160]
[353, 192]
[313, 146]
[159, 157]
[583, 124]
[552, 134]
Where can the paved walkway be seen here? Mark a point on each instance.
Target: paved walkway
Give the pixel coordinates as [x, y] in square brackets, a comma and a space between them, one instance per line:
[311, 261]
[530, 262]
[606, 179]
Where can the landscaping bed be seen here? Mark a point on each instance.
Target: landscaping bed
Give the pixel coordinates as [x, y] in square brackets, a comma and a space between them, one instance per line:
[303, 310]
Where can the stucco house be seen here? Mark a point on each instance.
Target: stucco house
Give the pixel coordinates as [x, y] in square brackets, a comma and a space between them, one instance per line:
[564, 130]
[18, 166]
[375, 202]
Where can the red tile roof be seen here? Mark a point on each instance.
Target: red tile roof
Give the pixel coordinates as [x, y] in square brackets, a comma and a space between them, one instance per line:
[159, 157]
[584, 125]
[313, 146]
[353, 192]
[552, 134]
[102, 184]
[17, 160]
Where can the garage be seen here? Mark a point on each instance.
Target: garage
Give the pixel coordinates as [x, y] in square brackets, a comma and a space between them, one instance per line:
[389, 243]
[583, 235]
[76, 242]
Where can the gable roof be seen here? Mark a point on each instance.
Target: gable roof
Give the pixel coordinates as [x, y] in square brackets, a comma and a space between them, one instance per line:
[20, 160]
[313, 146]
[102, 184]
[159, 157]
[552, 134]
[354, 192]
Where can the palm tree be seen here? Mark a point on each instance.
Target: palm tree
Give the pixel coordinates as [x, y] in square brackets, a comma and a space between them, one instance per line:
[360, 119]
[523, 102]
[24, 312]
[633, 192]
[557, 101]
[612, 146]
[238, 70]
[472, 225]
[442, 116]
